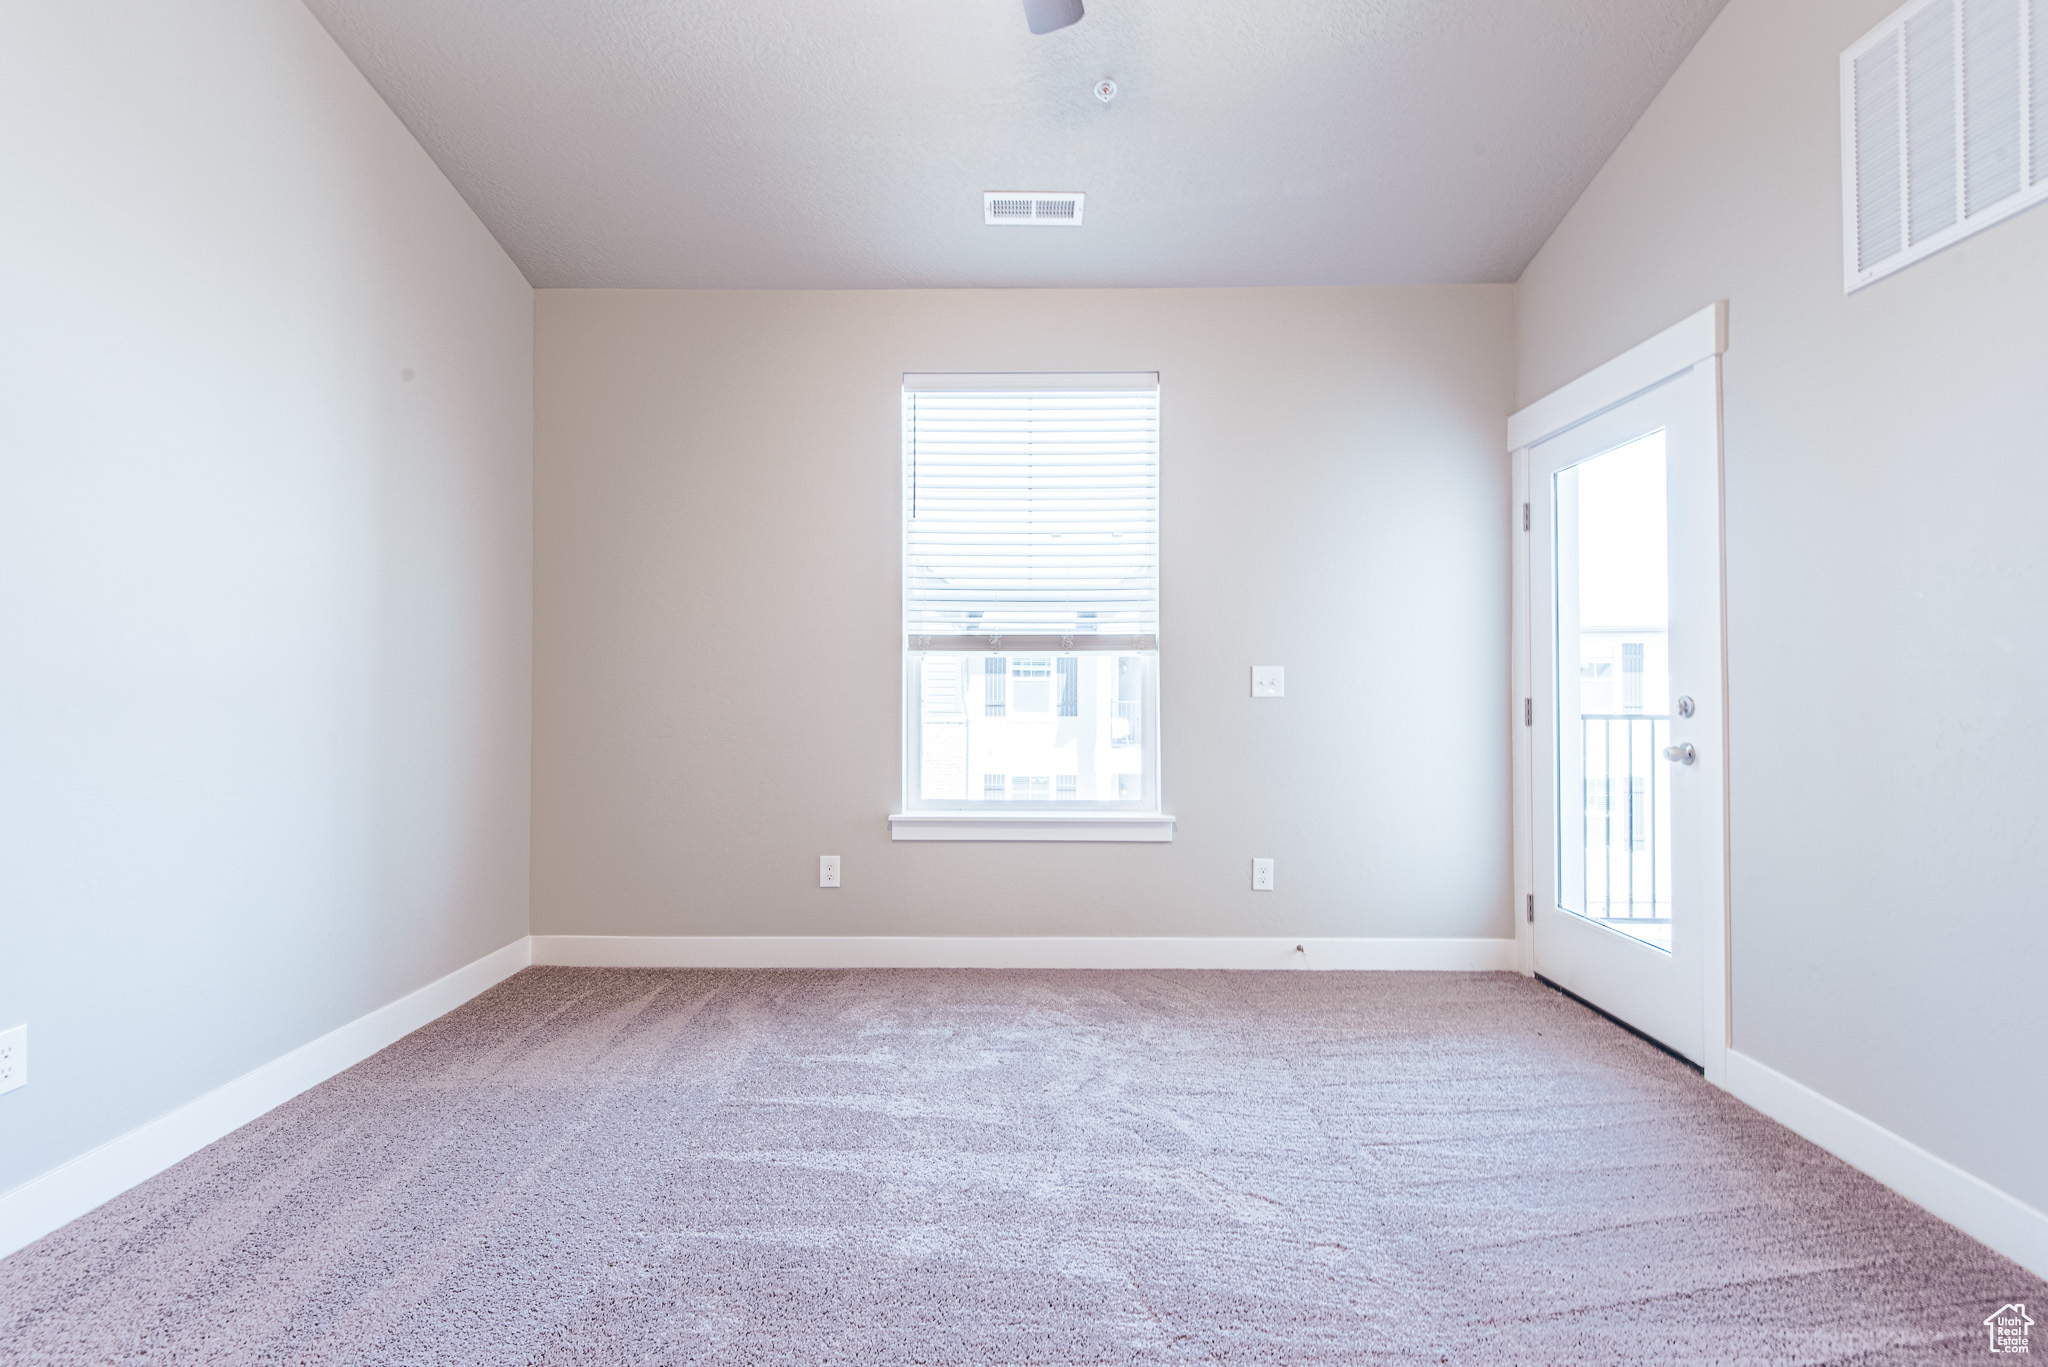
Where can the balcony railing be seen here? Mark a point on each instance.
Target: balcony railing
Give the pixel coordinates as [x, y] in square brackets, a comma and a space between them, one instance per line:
[1625, 816]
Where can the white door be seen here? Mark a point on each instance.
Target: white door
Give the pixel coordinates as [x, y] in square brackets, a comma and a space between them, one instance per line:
[1625, 678]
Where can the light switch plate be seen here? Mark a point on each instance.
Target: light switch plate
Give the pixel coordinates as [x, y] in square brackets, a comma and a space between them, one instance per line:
[1262, 875]
[828, 870]
[1269, 681]
[13, 1058]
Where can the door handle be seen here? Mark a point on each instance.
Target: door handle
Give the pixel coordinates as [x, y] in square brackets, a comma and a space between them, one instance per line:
[1683, 753]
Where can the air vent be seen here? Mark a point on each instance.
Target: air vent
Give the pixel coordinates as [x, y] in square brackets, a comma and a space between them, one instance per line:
[1943, 129]
[1036, 208]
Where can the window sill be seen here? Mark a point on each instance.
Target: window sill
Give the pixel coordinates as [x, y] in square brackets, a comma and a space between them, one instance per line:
[1143, 826]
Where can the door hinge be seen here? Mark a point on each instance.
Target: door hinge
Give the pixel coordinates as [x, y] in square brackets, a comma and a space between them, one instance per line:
[1525, 517]
[1528, 711]
[1531, 905]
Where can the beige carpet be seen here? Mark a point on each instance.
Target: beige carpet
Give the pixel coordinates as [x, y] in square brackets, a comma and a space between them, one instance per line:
[594, 1166]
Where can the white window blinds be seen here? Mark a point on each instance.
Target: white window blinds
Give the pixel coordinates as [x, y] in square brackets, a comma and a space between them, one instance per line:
[1031, 511]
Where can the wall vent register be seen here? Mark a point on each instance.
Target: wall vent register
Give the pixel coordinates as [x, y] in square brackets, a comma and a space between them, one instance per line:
[1032, 208]
[1031, 594]
[1944, 129]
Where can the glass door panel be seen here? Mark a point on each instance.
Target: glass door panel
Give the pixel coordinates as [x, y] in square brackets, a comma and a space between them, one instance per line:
[1612, 690]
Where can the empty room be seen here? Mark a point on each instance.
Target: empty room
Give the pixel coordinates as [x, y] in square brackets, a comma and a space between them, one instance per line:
[1023, 682]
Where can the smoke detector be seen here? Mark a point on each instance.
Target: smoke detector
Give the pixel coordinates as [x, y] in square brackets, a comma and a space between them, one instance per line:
[1031, 208]
[1105, 90]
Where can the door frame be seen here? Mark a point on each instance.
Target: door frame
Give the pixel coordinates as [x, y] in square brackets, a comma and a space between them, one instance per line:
[1699, 339]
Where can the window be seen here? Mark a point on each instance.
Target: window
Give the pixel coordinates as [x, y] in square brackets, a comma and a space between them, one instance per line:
[1031, 559]
[1129, 680]
[1597, 798]
[943, 688]
[994, 669]
[1031, 682]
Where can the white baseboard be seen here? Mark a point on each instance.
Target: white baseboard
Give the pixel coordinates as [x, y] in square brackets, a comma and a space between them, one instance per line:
[1974, 1206]
[64, 1193]
[45, 1203]
[969, 951]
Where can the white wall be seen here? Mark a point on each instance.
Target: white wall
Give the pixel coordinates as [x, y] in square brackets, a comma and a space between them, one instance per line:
[264, 697]
[718, 612]
[1887, 472]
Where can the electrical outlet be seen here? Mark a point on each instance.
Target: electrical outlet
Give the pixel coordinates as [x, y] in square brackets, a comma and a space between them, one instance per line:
[828, 870]
[14, 1058]
[1269, 681]
[1262, 875]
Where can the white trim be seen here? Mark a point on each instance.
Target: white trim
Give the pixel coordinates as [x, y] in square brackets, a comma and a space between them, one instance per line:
[971, 951]
[1692, 348]
[1030, 826]
[1718, 1020]
[1992, 1217]
[65, 1192]
[1675, 349]
[1521, 700]
[977, 382]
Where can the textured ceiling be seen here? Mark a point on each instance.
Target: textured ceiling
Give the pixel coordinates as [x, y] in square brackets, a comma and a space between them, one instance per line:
[846, 143]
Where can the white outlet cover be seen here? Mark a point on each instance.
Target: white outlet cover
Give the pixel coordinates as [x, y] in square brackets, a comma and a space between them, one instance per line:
[1262, 875]
[1269, 681]
[828, 870]
[13, 1058]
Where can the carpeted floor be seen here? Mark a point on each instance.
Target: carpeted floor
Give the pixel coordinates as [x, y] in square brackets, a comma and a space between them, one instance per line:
[602, 1166]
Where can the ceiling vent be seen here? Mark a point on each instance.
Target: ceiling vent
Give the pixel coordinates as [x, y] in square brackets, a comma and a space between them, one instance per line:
[1031, 208]
[1944, 129]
